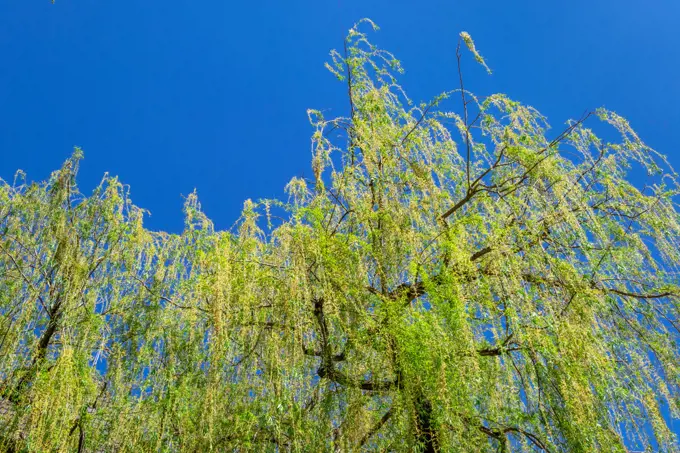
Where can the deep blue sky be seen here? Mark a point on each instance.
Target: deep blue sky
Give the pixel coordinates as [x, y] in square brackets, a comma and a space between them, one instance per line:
[213, 94]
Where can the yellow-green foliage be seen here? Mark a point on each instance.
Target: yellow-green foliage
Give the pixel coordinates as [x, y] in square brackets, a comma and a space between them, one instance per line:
[453, 279]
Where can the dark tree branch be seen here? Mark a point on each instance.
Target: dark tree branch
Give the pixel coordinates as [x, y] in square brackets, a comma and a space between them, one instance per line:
[327, 367]
[167, 299]
[377, 427]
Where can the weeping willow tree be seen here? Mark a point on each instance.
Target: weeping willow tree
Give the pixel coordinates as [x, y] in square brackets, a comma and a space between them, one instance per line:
[455, 277]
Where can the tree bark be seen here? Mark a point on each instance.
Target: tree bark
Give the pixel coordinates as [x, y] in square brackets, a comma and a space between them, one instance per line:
[426, 435]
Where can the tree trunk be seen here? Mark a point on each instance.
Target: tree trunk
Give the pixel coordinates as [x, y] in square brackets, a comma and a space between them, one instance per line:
[426, 435]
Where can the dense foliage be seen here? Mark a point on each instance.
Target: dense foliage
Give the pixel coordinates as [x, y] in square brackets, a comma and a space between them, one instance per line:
[456, 277]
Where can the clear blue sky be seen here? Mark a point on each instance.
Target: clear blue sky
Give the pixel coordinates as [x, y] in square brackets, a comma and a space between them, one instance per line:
[213, 94]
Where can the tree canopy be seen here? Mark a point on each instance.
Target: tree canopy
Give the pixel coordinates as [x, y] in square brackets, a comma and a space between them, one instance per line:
[456, 276]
